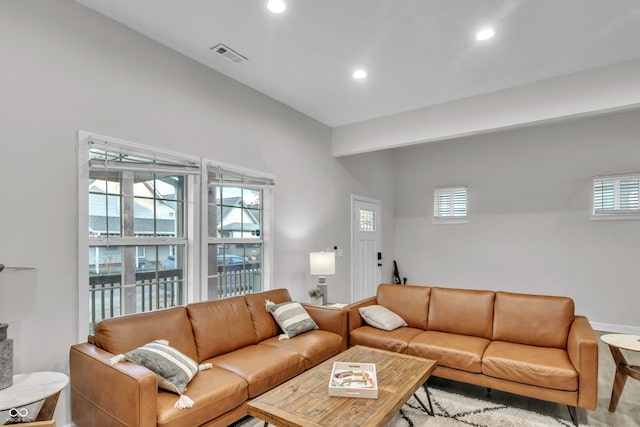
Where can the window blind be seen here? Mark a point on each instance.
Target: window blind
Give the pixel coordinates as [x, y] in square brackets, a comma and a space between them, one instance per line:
[450, 202]
[616, 195]
[104, 154]
[224, 176]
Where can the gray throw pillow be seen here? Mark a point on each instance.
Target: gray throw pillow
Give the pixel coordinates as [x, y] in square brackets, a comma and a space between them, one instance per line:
[381, 317]
[173, 368]
[292, 318]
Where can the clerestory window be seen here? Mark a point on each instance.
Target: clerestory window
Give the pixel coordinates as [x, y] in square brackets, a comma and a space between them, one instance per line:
[450, 205]
[616, 197]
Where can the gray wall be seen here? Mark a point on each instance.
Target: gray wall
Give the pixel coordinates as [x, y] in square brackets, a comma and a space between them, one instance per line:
[529, 229]
[66, 68]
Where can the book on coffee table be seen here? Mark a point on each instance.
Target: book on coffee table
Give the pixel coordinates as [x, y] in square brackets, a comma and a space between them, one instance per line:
[350, 379]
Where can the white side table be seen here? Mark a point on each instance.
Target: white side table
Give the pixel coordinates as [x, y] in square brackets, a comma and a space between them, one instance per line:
[34, 387]
[623, 369]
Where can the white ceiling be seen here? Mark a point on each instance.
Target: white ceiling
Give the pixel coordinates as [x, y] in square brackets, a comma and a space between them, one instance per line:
[417, 53]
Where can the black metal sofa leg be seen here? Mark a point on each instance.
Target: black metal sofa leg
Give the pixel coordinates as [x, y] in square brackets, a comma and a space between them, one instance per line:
[573, 414]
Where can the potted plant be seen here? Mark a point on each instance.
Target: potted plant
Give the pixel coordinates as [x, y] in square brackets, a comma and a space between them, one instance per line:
[316, 296]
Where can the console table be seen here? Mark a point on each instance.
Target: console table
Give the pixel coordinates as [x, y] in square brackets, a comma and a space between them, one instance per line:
[34, 387]
[623, 369]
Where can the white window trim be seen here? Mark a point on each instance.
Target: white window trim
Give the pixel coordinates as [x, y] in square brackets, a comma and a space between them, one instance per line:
[619, 215]
[450, 219]
[82, 327]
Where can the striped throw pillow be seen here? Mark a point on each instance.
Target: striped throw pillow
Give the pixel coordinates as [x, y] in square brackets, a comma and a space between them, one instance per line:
[173, 368]
[292, 318]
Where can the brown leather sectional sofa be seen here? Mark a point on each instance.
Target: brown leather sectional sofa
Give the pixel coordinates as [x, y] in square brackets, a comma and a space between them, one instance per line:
[237, 335]
[530, 345]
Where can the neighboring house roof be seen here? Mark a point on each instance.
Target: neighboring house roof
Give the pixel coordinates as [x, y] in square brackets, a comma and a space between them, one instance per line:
[143, 207]
[236, 216]
[143, 226]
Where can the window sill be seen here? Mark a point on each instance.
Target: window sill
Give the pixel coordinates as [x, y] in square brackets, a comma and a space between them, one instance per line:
[614, 217]
[451, 220]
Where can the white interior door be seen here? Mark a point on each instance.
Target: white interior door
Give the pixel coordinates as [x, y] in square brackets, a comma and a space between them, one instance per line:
[366, 247]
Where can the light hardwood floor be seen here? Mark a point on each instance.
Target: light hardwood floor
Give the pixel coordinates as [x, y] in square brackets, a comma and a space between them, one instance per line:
[627, 414]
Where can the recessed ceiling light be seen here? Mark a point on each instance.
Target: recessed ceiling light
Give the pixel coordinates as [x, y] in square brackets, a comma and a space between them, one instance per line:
[485, 34]
[359, 74]
[276, 6]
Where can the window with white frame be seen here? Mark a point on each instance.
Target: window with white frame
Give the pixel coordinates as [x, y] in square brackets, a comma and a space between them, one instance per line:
[367, 220]
[137, 220]
[237, 202]
[450, 205]
[616, 197]
[147, 229]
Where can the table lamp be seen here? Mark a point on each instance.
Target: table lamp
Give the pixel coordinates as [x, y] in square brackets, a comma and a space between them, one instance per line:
[17, 295]
[322, 264]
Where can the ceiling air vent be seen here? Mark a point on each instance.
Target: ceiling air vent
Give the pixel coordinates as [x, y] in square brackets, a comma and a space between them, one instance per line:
[228, 53]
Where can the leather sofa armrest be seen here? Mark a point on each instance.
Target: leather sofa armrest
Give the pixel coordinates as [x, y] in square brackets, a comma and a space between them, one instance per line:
[582, 346]
[332, 319]
[102, 394]
[355, 320]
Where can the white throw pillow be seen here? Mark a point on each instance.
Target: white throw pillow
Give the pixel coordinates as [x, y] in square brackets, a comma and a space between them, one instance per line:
[381, 317]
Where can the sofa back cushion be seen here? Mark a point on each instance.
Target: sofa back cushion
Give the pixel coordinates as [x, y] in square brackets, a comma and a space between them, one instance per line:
[409, 302]
[263, 322]
[122, 334]
[221, 326]
[538, 320]
[462, 311]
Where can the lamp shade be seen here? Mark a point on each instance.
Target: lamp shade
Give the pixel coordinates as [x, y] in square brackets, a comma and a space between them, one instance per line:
[17, 292]
[322, 263]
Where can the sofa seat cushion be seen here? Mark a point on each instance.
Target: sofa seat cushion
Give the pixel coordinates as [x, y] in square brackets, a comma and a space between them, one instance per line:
[451, 350]
[214, 391]
[262, 366]
[396, 340]
[539, 366]
[314, 346]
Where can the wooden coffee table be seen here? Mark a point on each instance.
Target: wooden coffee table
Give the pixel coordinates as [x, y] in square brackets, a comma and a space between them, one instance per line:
[304, 401]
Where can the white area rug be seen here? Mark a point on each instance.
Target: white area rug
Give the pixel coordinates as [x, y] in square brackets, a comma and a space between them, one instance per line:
[455, 410]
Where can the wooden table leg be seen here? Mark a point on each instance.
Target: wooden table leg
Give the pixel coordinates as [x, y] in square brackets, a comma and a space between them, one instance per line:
[623, 370]
[48, 408]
